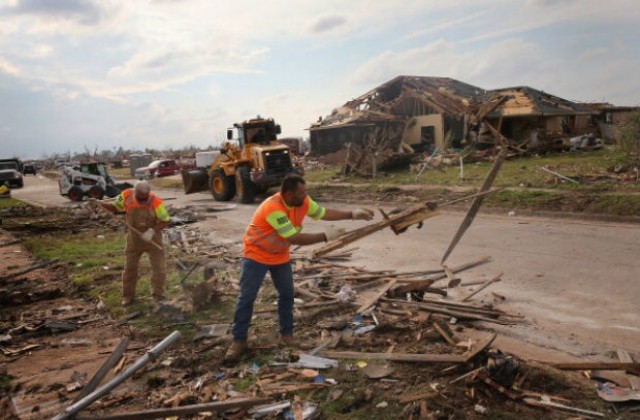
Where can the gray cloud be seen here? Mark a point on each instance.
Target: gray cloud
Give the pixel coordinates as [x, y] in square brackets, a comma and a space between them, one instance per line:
[327, 23]
[85, 12]
[544, 3]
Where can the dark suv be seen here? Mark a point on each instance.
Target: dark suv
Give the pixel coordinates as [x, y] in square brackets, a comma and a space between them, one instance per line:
[28, 168]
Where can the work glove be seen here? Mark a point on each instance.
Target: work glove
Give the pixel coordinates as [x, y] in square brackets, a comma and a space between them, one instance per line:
[362, 214]
[147, 236]
[332, 233]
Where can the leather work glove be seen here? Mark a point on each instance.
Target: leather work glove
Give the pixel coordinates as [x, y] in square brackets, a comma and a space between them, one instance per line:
[362, 214]
[147, 236]
[332, 233]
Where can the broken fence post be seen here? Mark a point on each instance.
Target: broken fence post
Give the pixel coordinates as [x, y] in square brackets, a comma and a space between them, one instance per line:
[152, 354]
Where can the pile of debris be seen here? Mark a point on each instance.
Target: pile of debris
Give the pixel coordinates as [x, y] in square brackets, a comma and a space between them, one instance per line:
[377, 343]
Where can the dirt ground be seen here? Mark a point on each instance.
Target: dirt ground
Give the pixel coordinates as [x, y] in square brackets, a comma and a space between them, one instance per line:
[573, 281]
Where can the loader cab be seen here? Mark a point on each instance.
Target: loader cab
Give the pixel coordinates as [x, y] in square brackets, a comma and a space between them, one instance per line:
[256, 131]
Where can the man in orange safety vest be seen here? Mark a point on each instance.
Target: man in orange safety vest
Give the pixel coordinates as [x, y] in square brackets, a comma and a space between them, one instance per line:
[275, 226]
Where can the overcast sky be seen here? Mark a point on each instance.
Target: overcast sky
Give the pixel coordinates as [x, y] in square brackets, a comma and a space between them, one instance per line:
[78, 74]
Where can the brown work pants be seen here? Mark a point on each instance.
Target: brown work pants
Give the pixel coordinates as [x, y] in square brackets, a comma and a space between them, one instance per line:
[134, 250]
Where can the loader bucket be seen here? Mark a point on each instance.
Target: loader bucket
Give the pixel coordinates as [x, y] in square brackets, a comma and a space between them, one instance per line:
[195, 180]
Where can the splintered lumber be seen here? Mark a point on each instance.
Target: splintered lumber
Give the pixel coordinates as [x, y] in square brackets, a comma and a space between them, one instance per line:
[558, 406]
[625, 357]
[459, 313]
[629, 367]
[104, 369]
[411, 357]
[444, 334]
[405, 399]
[397, 357]
[181, 411]
[483, 286]
[401, 220]
[152, 354]
[30, 268]
[413, 285]
[371, 301]
[477, 202]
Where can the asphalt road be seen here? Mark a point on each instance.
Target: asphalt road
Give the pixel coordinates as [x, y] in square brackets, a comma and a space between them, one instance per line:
[577, 283]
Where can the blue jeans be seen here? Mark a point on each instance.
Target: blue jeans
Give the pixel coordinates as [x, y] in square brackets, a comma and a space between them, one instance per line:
[251, 279]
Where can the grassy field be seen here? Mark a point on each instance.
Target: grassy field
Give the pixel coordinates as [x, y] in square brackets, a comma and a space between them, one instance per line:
[591, 169]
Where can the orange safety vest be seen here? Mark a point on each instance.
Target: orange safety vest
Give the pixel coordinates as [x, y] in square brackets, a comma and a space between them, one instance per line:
[261, 241]
[137, 213]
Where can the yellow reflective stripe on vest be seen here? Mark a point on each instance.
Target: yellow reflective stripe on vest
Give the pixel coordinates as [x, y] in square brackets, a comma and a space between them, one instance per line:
[270, 243]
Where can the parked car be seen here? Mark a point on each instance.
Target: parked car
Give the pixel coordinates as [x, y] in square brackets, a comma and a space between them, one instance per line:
[158, 168]
[29, 168]
[11, 173]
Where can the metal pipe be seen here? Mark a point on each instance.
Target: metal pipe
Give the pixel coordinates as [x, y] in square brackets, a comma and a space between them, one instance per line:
[151, 355]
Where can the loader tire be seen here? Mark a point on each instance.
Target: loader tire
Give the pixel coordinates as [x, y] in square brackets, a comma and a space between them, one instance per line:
[75, 194]
[245, 188]
[221, 186]
[96, 192]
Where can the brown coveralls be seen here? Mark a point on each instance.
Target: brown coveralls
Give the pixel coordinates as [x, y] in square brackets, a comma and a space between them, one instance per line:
[143, 218]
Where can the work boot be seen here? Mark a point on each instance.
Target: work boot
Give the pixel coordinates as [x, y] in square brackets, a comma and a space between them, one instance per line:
[287, 340]
[236, 350]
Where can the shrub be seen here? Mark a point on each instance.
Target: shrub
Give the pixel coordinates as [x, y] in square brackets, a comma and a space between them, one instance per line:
[629, 138]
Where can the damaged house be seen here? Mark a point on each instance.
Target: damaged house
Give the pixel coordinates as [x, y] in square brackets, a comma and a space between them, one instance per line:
[531, 120]
[414, 114]
[377, 127]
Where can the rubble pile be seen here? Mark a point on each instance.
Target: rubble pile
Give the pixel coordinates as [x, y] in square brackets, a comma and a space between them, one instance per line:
[385, 343]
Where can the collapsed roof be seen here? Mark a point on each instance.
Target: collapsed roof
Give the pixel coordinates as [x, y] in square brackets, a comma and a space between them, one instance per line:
[526, 101]
[402, 97]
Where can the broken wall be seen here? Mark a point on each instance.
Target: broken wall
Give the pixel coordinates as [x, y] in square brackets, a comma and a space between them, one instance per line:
[413, 131]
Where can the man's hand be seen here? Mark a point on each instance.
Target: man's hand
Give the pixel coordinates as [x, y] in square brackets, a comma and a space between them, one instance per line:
[332, 233]
[362, 214]
[147, 236]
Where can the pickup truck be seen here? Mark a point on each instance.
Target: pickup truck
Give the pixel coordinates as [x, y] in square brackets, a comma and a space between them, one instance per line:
[158, 168]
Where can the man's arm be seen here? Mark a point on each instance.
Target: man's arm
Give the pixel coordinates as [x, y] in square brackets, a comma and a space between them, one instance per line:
[306, 238]
[107, 206]
[332, 214]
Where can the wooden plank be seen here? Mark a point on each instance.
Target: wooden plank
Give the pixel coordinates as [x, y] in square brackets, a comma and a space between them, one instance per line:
[397, 357]
[628, 367]
[180, 411]
[625, 357]
[103, 370]
[419, 284]
[483, 286]
[371, 301]
[444, 334]
[375, 227]
[480, 347]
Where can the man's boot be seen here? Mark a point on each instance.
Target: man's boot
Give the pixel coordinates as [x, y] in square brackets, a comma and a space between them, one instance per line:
[287, 340]
[234, 351]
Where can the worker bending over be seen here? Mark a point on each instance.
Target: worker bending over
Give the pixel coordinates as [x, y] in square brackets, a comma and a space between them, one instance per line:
[146, 213]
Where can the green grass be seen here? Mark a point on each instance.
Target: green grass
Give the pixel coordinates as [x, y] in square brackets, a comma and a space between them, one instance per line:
[94, 265]
[12, 202]
[521, 172]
